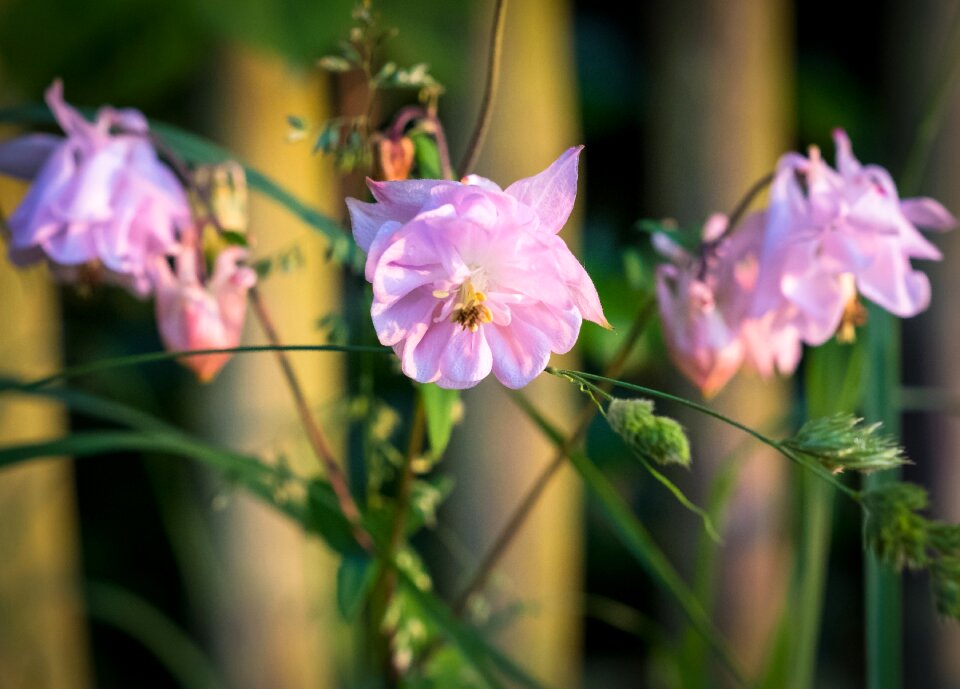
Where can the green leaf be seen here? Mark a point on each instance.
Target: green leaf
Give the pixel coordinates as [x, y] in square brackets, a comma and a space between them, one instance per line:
[324, 518]
[355, 577]
[427, 156]
[475, 649]
[144, 622]
[639, 542]
[439, 405]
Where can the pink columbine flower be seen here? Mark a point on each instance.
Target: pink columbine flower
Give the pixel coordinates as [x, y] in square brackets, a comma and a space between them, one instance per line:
[469, 278]
[99, 196]
[194, 312]
[835, 233]
[705, 307]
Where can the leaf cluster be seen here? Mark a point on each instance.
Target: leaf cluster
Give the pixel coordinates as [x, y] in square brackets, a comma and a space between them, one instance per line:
[899, 535]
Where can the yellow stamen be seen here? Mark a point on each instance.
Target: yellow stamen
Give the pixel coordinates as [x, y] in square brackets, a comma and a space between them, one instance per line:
[854, 313]
[470, 311]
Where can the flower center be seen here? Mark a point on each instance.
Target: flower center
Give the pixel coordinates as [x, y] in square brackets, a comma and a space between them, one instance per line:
[469, 310]
[854, 312]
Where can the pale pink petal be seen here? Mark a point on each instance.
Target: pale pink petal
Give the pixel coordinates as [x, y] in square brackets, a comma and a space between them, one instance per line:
[366, 219]
[847, 164]
[520, 353]
[552, 192]
[466, 360]
[71, 121]
[891, 283]
[395, 321]
[405, 198]
[928, 213]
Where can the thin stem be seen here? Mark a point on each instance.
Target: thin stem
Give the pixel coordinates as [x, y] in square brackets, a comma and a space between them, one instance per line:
[490, 92]
[500, 544]
[775, 444]
[736, 215]
[744, 205]
[154, 357]
[315, 434]
[936, 110]
[401, 509]
[314, 431]
[442, 148]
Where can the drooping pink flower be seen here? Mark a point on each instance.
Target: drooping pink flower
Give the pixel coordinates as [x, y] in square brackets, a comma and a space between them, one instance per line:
[830, 228]
[194, 312]
[705, 306]
[100, 195]
[469, 278]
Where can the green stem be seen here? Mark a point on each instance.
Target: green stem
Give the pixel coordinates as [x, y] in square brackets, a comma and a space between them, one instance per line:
[775, 444]
[832, 386]
[500, 544]
[154, 357]
[638, 541]
[883, 590]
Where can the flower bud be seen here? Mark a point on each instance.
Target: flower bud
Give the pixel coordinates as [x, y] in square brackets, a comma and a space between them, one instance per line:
[658, 438]
[395, 158]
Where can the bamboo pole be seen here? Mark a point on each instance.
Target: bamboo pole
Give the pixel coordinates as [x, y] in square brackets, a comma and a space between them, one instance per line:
[721, 115]
[277, 622]
[497, 456]
[43, 635]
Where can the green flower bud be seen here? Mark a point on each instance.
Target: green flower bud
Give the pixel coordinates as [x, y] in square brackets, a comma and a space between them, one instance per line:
[658, 438]
[841, 442]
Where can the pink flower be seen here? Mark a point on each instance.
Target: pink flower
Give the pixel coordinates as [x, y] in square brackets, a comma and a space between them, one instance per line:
[98, 195]
[468, 278]
[830, 229]
[198, 313]
[705, 305]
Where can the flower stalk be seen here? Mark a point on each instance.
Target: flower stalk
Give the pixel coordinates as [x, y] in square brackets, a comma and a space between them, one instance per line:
[489, 92]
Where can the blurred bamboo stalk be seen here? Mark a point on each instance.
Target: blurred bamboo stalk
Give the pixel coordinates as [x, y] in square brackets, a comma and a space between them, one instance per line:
[723, 113]
[276, 619]
[931, 655]
[43, 635]
[497, 455]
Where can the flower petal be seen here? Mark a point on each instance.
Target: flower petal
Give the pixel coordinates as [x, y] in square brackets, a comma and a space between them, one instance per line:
[25, 156]
[928, 213]
[552, 192]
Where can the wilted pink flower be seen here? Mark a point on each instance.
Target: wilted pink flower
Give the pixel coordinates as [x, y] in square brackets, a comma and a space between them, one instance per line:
[833, 233]
[468, 278]
[198, 313]
[98, 195]
[705, 303]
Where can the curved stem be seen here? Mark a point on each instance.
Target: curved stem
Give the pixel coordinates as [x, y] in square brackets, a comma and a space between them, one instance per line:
[490, 92]
[315, 434]
[703, 409]
[519, 516]
[442, 147]
[736, 215]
